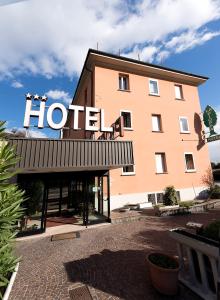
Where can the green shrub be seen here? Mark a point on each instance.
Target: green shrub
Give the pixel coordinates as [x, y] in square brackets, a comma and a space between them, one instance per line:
[34, 192]
[212, 231]
[170, 196]
[10, 212]
[214, 192]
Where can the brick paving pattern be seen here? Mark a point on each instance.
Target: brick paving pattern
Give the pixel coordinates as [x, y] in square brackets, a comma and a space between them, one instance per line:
[110, 260]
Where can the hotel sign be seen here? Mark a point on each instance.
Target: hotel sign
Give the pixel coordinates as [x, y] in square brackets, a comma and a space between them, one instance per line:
[210, 120]
[213, 138]
[91, 117]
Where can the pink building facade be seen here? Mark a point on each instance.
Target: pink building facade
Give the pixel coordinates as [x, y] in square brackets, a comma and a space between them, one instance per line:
[160, 112]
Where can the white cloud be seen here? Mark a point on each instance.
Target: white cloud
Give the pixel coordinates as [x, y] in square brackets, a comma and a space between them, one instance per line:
[145, 54]
[214, 151]
[59, 95]
[36, 134]
[190, 39]
[16, 84]
[162, 55]
[51, 37]
[22, 132]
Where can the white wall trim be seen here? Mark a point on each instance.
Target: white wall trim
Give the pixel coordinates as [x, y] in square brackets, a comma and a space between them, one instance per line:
[128, 173]
[154, 94]
[117, 201]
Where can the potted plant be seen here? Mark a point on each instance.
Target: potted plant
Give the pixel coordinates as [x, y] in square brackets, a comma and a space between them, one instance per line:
[164, 273]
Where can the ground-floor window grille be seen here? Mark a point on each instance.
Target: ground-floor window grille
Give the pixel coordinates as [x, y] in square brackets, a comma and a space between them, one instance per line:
[152, 198]
[178, 195]
[159, 197]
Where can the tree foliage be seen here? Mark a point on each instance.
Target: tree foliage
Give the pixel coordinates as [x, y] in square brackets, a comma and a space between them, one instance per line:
[170, 196]
[207, 178]
[10, 211]
[210, 119]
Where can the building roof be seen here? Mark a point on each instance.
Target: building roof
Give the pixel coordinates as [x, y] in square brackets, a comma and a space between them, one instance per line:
[123, 58]
[96, 57]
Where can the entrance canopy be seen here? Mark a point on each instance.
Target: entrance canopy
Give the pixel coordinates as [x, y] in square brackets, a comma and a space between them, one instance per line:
[59, 155]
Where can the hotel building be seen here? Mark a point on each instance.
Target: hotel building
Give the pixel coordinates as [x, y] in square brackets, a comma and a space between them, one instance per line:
[155, 139]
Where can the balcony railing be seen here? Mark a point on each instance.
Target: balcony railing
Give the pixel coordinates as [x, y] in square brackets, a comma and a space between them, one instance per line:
[199, 263]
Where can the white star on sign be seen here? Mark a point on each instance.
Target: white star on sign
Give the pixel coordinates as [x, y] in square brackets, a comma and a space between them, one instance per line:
[44, 98]
[28, 96]
[36, 97]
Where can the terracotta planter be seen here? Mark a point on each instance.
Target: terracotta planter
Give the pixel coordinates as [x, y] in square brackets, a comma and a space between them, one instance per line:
[164, 280]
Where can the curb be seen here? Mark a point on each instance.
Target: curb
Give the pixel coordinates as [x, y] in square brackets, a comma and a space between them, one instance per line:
[11, 282]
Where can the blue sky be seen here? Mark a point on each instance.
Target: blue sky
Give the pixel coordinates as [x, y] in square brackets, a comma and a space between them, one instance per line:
[43, 49]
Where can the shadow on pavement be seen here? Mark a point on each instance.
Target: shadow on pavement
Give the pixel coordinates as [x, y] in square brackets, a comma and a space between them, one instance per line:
[123, 274]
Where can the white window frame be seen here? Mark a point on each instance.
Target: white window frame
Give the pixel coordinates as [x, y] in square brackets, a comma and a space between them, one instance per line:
[127, 79]
[191, 170]
[159, 118]
[181, 129]
[127, 111]
[150, 93]
[128, 173]
[163, 154]
[181, 91]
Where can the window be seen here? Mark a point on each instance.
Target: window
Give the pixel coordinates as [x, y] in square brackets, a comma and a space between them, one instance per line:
[178, 91]
[190, 166]
[178, 195]
[152, 198]
[123, 82]
[159, 197]
[128, 170]
[184, 127]
[160, 163]
[156, 123]
[127, 122]
[153, 87]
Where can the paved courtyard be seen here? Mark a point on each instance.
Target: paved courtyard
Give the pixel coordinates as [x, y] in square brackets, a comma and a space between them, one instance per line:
[110, 260]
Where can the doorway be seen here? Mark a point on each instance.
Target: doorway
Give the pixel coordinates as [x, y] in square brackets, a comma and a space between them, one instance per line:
[80, 199]
[53, 199]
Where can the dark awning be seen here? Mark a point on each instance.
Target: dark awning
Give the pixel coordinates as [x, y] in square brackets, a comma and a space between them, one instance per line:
[50, 155]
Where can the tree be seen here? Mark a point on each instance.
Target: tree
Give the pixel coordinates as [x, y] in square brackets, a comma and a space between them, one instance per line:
[170, 196]
[11, 198]
[207, 178]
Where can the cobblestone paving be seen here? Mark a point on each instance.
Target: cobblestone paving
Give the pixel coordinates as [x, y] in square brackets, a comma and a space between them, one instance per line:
[111, 260]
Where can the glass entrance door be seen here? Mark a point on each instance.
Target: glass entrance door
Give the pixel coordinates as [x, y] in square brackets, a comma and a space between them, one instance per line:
[65, 203]
[97, 200]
